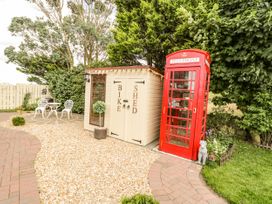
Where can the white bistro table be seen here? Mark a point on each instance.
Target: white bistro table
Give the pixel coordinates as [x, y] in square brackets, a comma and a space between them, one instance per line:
[53, 109]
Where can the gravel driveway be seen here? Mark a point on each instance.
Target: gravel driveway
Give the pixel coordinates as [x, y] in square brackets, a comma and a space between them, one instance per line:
[73, 167]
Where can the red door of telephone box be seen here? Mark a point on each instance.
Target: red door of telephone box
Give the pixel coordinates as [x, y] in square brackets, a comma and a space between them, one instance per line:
[185, 101]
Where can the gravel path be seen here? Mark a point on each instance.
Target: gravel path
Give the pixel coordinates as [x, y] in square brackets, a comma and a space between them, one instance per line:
[73, 167]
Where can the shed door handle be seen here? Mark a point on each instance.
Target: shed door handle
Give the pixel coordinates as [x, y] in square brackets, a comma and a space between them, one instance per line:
[194, 110]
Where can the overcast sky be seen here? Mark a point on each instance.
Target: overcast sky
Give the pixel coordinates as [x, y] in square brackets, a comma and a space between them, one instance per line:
[9, 9]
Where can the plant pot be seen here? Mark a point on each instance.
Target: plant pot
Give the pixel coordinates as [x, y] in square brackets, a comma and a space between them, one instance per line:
[100, 133]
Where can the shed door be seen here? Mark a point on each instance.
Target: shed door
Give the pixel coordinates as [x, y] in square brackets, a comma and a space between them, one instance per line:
[118, 108]
[134, 112]
[126, 109]
[179, 115]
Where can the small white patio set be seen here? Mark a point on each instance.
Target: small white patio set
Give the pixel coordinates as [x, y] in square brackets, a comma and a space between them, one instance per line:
[53, 107]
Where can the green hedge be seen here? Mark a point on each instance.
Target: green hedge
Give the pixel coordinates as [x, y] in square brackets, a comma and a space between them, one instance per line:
[68, 84]
[26, 106]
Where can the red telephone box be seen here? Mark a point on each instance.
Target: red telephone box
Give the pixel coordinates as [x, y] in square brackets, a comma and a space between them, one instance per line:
[185, 101]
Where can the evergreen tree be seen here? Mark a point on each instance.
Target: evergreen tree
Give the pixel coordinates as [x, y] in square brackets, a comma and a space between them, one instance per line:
[69, 33]
[237, 33]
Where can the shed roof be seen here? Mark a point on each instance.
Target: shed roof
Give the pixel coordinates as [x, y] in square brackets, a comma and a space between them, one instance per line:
[125, 68]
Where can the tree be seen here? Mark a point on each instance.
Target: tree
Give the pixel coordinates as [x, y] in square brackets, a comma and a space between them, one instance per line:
[148, 30]
[59, 41]
[144, 32]
[237, 33]
[242, 68]
[242, 53]
[40, 52]
[57, 47]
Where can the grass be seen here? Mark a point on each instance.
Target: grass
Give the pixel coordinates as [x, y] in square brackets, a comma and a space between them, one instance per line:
[246, 178]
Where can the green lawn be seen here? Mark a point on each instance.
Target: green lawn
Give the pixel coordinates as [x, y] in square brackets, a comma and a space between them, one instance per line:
[246, 178]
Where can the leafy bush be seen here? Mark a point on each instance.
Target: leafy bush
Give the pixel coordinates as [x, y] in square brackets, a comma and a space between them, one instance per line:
[219, 141]
[139, 199]
[26, 106]
[219, 118]
[68, 84]
[99, 107]
[31, 107]
[221, 130]
[258, 118]
[18, 121]
[26, 100]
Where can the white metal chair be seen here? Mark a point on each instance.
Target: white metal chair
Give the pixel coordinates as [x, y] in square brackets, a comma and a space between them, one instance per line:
[41, 107]
[68, 106]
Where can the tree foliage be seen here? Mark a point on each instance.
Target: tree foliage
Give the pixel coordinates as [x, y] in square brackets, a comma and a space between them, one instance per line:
[258, 116]
[237, 33]
[242, 69]
[68, 84]
[69, 33]
[144, 31]
[148, 30]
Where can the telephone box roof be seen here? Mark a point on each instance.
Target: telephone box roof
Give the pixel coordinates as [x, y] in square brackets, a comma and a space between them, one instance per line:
[205, 53]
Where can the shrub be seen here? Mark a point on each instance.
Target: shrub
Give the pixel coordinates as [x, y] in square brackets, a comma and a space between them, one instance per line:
[219, 118]
[99, 107]
[139, 199]
[18, 121]
[26, 106]
[219, 141]
[26, 101]
[68, 84]
[224, 119]
[222, 128]
[31, 107]
[258, 119]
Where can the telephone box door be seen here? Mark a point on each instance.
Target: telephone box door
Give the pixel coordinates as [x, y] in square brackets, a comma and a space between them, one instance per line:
[179, 111]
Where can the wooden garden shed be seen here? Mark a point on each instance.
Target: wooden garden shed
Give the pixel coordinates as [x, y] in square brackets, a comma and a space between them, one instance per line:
[133, 102]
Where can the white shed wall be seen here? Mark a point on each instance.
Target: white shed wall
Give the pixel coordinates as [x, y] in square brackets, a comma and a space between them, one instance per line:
[153, 113]
[149, 125]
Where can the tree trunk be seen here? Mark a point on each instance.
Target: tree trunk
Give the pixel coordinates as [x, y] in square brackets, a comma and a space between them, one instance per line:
[100, 120]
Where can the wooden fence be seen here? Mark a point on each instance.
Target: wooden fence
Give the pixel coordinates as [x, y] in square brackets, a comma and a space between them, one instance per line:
[11, 96]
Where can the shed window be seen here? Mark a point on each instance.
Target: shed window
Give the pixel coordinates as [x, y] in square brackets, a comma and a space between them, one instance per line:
[98, 90]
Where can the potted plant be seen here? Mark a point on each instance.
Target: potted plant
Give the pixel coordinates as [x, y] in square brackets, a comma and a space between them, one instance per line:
[99, 107]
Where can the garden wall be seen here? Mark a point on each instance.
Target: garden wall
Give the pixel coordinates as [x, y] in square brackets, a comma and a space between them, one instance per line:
[11, 96]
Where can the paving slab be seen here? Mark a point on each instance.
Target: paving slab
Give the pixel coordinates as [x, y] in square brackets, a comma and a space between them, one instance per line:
[176, 180]
[18, 149]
